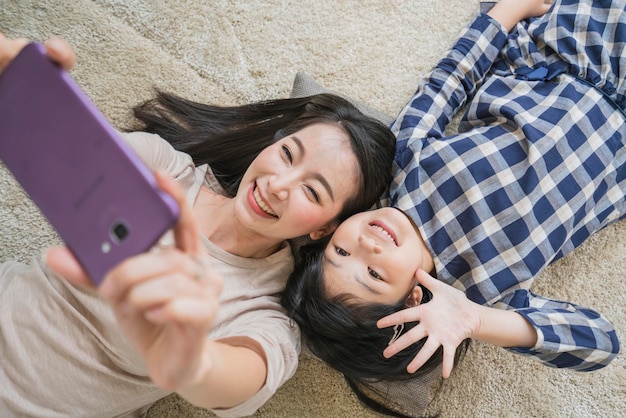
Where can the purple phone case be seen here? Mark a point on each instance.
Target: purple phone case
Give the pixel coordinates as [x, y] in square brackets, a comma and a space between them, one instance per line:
[75, 167]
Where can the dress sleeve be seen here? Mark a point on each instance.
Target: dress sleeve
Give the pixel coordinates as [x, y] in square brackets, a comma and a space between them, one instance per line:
[568, 336]
[447, 88]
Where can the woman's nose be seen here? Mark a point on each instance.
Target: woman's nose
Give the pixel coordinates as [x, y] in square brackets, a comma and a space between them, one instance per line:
[279, 187]
[369, 244]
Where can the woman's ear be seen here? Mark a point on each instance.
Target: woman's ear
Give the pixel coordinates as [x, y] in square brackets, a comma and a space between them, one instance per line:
[324, 231]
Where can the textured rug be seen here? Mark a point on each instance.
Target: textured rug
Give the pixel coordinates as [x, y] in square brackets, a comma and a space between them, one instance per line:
[232, 52]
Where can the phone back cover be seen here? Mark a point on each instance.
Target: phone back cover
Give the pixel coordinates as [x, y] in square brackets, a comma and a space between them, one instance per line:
[75, 167]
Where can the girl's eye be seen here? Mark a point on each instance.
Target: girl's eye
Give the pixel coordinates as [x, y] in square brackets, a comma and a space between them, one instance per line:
[341, 252]
[287, 153]
[374, 274]
[313, 193]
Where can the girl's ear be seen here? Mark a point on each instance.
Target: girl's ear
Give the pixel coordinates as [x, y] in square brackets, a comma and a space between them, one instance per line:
[324, 231]
[416, 295]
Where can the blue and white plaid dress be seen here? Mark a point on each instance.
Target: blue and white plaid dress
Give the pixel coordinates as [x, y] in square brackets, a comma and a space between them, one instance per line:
[537, 166]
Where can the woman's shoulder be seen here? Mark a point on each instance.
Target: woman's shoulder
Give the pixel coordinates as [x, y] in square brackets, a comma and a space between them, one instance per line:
[145, 142]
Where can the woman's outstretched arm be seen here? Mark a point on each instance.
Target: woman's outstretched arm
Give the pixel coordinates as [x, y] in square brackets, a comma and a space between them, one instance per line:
[166, 302]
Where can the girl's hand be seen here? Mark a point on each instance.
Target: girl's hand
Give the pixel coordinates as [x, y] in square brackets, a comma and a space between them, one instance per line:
[446, 320]
[58, 50]
[165, 301]
[509, 12]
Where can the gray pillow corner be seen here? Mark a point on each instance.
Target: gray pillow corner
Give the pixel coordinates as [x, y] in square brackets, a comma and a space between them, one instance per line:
[304, 85]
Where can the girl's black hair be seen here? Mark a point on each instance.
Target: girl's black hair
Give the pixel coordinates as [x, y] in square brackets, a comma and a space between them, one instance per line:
[228, 138]
[343, 332]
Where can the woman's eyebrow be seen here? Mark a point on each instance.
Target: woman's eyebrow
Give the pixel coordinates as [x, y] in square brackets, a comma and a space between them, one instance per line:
[317, 175]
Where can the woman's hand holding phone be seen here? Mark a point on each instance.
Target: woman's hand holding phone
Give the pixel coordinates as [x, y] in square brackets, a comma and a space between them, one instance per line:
[165, 301]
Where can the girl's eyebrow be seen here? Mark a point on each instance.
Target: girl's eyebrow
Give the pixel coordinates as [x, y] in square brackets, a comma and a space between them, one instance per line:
[317, 175]
[357, 278]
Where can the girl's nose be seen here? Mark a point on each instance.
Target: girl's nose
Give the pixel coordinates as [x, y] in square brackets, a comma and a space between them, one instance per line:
[369, 244]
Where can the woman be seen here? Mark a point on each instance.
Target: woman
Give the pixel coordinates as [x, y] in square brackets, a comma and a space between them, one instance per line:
[199, 315]
[539, 164]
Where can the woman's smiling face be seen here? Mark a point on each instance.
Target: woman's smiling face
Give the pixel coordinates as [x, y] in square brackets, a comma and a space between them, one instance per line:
[374, 257]
[299, 184]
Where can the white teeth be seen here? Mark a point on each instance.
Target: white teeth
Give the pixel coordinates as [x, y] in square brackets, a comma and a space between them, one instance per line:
[261, 203]
[385, 233]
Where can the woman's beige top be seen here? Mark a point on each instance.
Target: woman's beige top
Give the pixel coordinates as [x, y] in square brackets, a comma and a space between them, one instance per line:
[63, 353]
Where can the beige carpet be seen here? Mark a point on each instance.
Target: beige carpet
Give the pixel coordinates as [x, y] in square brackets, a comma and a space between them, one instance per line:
[236, 51]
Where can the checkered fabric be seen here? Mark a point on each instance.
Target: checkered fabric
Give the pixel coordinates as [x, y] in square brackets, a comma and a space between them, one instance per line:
[537, 166]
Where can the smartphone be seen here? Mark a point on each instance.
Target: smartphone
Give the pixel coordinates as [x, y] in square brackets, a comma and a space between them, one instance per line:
[98, 195]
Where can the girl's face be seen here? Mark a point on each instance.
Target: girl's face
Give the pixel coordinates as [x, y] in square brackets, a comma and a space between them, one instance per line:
[298, 185]
[374, 256]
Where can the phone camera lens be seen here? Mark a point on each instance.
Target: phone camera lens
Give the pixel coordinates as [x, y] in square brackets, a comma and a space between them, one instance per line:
[120, 231]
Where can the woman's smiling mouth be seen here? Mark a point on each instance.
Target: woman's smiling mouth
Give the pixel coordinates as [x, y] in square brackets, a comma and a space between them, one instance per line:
[261, 203]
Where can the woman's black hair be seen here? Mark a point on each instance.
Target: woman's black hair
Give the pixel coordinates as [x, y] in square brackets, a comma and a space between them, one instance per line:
[228, 138]
[343, 332]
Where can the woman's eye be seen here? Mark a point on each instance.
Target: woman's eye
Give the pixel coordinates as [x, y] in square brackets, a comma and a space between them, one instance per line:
[341, 252]
[374, 274]
[287, 153]
[313, 193]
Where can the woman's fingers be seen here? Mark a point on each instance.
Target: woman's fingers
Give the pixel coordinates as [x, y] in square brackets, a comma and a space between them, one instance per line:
[58, 50]
[61, 52]
[163, 289]
[190, 311]
[145, 267]
[62, 262]
[153, 280]
[186, 230]
[9, 48]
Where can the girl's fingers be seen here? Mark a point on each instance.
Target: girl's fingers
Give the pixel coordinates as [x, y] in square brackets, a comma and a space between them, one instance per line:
[410, 337]
[448, 362]
[428, 281]
[400, 317]
[424, 354]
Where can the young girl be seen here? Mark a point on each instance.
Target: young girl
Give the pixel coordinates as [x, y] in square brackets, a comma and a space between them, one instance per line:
[200, 314]
[537, 167]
